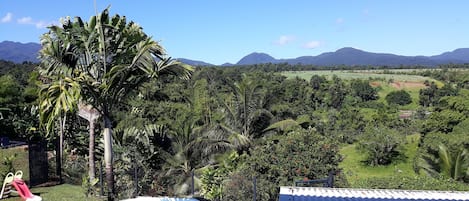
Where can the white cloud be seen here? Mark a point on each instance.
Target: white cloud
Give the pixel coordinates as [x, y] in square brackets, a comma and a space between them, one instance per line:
[43, 24]
[339, 20]
[7, 18]
[283, 40]
[38, 24]
[25, 20]
[312, 44]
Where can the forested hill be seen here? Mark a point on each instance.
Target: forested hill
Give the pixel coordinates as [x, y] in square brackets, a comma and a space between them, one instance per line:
[19, 52]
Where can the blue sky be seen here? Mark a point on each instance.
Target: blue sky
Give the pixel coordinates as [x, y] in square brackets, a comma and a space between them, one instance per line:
[218, 31]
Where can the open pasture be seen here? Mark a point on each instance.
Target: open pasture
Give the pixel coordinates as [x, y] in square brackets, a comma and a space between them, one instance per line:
[399, 75]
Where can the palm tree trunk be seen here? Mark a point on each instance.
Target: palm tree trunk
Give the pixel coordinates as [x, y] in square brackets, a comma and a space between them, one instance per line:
[91, 171]
[245, 102]
[58, 162]
[108, 157]
[60, 150]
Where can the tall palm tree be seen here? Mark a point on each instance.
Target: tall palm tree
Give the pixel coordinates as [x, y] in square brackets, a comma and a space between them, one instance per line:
[245, 115]
[114, 58]
[136, 148]
[192, 148]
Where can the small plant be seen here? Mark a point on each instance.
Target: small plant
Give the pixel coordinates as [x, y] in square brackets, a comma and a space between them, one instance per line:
[88, 186]
[8, 165]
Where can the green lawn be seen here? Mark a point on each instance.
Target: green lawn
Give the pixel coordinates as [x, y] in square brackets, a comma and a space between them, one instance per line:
[64, 192]
[20, 161]
[355, 170]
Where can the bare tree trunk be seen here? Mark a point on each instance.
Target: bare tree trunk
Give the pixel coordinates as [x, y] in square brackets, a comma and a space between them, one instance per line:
[92, 170]
[108, 157]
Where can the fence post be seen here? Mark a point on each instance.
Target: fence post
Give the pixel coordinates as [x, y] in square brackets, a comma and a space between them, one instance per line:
[193, 189]
[38, 163]
[136, 179]
[101, 182]
[254, 188]
[330, 179]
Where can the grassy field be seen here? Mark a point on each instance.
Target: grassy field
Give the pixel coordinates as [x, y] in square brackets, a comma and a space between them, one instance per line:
[64, 192]
[378, 78]
[348, 75]
[355, 170]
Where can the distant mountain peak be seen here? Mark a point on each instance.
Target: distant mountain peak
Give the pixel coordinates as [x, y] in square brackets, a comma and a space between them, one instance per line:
[194, 62]
[349, 49]
[461, 54]
[256, 58]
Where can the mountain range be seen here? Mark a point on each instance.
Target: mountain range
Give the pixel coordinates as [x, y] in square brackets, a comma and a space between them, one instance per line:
[19, 52]
[354, 57]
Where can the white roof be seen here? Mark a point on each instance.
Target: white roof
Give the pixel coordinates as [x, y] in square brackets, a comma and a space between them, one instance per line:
[144, 198]
[374, 193]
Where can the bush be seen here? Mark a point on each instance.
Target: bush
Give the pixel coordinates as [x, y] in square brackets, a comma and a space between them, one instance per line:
[371, 105]
[381, 145]
[213, 178]
[298, 155]
[363, 90]
[400, 97]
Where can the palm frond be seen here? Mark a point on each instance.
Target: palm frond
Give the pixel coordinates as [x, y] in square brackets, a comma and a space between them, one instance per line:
[446, 161]
[283, 125]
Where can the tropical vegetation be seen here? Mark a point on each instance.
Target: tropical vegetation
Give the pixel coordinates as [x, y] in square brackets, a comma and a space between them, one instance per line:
[107, 98]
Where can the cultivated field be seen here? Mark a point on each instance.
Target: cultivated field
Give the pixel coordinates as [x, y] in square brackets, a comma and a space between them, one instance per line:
[397, 75]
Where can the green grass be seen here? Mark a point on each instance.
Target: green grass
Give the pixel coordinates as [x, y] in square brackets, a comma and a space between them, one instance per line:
[355, 170]
[64, 192]
[348, 75]
[20, 162]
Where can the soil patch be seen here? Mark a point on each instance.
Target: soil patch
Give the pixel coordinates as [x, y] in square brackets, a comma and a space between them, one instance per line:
[408, 85]
[375, 84]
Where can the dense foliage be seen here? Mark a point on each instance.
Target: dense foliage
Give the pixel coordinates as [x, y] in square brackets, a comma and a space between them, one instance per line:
[228, 125]
[300, 154]
[400, 97]
[223, 125]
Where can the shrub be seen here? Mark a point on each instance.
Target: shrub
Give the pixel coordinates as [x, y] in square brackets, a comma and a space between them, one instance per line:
[363, 89]
[412, 183]
[381, 145]
[298, 155]
[400, 97]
